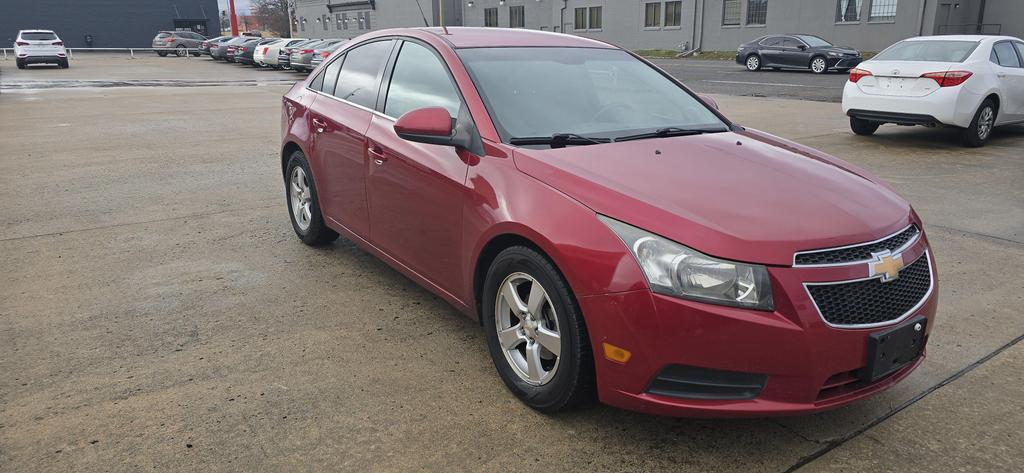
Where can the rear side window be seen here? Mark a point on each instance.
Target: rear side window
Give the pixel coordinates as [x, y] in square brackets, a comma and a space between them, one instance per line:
[420, 80]
[163, 35]
[38, 36]
[357, 82]
[928, 51]
[1005, 55]
[1020, 49]
[772, 41]
[331, 76]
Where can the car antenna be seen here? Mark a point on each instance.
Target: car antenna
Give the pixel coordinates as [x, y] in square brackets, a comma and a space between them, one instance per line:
[440, 4]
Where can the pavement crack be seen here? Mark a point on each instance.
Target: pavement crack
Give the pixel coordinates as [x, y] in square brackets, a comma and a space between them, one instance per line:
[833, 444]
[977, 234]
[797, 433]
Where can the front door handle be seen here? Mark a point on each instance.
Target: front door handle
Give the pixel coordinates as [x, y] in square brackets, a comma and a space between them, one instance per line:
[377, 153]
[320, 125]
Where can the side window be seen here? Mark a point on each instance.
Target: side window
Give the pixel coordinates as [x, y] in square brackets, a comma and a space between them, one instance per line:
[420, 80]
[331, 76]
[771, 41]
[1006, 55]
[357, 81]
[1020, 49]
[790, 43]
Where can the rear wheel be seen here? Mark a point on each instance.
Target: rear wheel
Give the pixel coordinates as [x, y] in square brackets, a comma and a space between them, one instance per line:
[303, 204]
[161, 53]
[980, 129]
[863, 127]
[753, 62]
[535, 332]
[819, 65]
[20, 63]
[180, 51]
[63, 64]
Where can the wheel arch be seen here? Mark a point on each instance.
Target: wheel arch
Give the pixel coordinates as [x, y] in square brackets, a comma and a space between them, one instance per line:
[491, 250]
[287, 150]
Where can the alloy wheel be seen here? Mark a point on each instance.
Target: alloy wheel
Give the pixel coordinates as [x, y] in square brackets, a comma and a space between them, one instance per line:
[753, 63]
[527, 327]
[818, 65]
[985, 121]
[300, 198]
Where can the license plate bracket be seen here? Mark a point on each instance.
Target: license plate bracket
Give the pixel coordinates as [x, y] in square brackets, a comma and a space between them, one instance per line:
[890, 350]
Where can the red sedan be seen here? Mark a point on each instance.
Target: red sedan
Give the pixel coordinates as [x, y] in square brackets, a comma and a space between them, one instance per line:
[615, 234]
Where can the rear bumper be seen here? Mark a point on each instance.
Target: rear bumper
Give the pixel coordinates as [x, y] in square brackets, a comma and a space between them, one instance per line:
[48, 59]
[948, 106]
[758, 364]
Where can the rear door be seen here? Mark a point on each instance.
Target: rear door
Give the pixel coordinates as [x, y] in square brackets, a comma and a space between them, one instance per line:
[340, 115]
[416, 189]
[771, 51]
[1007, 59]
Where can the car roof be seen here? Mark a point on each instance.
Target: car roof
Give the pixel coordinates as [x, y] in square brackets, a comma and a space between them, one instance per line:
[961, 37]
[35, 31]
[471, 37]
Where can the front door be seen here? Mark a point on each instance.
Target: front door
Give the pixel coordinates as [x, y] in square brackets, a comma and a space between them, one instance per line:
[416, 190]
[1009, 68]
[793, 55]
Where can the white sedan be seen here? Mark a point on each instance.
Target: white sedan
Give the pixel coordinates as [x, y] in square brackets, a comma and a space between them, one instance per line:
[971, 82]
[267, 54]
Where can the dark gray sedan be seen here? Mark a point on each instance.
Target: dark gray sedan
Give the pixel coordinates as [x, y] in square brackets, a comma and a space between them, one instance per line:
[796, 51]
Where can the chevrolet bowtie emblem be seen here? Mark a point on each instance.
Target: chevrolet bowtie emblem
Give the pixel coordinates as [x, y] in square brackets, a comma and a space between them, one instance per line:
[886, 264]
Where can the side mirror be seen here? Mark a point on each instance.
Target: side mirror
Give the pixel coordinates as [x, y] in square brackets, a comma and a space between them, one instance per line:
[431, 125]
[708, 100]
[801, 47]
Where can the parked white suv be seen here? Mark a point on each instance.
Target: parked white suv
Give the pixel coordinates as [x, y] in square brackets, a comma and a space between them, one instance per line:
[971, 81]
[39, 47]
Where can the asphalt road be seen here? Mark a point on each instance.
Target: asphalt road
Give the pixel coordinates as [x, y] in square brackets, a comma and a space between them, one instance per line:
[729, 78]
[158, 313]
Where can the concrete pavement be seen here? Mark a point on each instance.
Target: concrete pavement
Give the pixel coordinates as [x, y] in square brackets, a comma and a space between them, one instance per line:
[157, 312]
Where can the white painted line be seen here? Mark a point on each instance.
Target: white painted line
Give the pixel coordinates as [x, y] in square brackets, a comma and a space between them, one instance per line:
[773, 84]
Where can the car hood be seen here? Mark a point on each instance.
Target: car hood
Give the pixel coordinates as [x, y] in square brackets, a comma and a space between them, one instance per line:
[745, 196]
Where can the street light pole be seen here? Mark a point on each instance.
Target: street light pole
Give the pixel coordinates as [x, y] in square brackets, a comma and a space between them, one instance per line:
[234, 19]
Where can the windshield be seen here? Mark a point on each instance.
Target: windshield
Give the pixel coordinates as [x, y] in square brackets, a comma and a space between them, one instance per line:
[542, 91]
[932, 51]
[38, 36]
[813, 41]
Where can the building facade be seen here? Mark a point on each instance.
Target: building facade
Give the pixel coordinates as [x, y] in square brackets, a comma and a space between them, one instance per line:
[109, 23]
[708, 25]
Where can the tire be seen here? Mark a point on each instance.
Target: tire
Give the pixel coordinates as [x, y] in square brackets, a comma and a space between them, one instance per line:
[20, 63]
[753, 62]
[161, 53]
[63, 64]
[863, 127]
[818, 65]
[180, 51]
[558, 381]
[980, 130]
[301, 196]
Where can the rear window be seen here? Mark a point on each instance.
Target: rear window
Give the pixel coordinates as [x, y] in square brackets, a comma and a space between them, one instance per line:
[928, 51]
[163, 35]
[38, 36]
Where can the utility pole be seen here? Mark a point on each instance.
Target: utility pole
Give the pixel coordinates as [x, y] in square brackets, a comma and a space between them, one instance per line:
[291, 12]
[234, 19]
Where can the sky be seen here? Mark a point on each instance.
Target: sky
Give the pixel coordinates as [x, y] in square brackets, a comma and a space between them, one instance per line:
[241, 6]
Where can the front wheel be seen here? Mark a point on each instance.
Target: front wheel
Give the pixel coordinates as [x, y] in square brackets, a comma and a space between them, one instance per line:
[819, 65]
[863, 127]
[180, 50]
[753, 62]
[536, 333]
[303, 204]
[977, 133]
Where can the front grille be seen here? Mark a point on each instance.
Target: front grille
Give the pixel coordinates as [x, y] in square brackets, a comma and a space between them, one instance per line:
[871, 301]
[856, 253]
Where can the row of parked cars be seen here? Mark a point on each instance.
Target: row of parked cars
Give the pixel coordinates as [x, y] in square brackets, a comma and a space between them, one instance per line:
[297, 54]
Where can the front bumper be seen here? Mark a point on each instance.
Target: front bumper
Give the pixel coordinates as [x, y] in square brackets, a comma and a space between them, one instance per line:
[805, 365]
[844, 62]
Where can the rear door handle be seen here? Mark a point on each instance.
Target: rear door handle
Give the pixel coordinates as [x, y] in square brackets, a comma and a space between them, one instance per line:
[320, 125]
[377, 153]
[1000, 74]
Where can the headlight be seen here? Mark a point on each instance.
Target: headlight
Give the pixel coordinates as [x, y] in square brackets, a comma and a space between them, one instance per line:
[834, 54]
[675, 270]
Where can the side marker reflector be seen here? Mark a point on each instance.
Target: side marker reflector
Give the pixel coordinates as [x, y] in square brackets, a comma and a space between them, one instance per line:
[616, 354]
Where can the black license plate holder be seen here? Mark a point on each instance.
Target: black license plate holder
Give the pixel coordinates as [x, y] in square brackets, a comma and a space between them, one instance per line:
[890, 350]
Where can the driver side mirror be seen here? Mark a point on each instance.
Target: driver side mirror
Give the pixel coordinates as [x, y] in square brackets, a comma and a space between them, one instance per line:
[801, 47]
[709, 101]
[431, 125]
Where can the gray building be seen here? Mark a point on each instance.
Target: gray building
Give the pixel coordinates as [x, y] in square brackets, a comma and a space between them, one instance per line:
[109, 23]
[708, 25]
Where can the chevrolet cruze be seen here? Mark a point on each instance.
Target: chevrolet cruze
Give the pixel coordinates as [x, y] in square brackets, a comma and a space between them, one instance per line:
[615, 235]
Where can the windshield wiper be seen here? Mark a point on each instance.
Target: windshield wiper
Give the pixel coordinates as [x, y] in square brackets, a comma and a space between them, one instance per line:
[558, 140]
[666, 132]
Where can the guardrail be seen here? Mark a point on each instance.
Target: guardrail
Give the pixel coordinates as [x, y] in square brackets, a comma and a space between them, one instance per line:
[130, 51]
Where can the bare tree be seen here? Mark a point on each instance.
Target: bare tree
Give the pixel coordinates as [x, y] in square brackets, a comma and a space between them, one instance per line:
[273, 15]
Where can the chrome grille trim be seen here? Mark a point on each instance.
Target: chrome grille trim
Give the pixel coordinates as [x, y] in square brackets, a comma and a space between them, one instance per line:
[895, 251]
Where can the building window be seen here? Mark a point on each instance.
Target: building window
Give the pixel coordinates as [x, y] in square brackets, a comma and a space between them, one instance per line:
[581, 19]
[730, 12]
[882, 10]
[491, 17]
[595, 18]
[344, 21]
[302, 24]
[757, 12]
[337, 21]
[673, 13]
[652, 15]
[848, 11]
[517, 17]
[327, 22]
